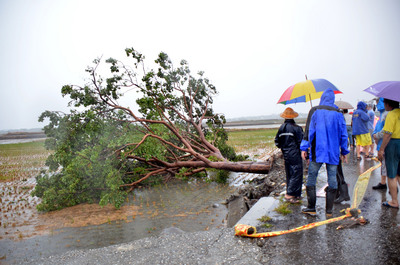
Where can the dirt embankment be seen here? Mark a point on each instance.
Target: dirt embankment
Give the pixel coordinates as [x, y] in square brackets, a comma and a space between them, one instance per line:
[22, 135]
[271, 184]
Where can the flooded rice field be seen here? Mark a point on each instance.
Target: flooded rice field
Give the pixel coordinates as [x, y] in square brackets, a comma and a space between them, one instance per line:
[194, 206]
[176, 201]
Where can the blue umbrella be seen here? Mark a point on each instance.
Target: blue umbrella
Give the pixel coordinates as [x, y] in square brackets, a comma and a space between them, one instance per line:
[386, 89]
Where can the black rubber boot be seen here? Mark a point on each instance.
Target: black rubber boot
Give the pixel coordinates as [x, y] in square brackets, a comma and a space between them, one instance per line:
[343, 193]
[312, 199]
[337, 195]
[330, 197]
[340, 180]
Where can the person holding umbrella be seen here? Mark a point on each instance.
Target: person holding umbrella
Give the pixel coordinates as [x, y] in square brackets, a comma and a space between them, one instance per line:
[343, 189]
[288, 139]
[390, 148]
[326, 141]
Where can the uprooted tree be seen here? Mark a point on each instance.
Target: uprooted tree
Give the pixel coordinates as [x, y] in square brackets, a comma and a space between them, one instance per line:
[104, 149]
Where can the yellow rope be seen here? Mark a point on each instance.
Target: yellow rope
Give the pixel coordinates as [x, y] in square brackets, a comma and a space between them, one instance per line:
[361, 185]
[358, 194]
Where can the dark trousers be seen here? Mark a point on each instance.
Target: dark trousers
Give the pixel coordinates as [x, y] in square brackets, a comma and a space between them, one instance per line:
[294, 177]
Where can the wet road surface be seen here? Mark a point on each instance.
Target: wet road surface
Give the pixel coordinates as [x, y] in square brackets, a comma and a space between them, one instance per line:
[375, 243]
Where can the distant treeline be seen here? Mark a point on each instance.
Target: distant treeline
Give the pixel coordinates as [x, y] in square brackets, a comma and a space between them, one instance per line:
[22, 135]
[261, 122]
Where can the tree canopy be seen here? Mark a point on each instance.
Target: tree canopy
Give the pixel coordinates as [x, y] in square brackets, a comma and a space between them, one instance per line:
[104, 148]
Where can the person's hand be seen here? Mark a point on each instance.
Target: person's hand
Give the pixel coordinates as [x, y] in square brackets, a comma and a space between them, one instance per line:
[380, 155]
[304, 155]
[344, 158]
[375, 138]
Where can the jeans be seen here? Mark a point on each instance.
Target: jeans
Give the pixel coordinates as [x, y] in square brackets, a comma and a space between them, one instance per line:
[392, 157]
[350, 134]
[313, 174]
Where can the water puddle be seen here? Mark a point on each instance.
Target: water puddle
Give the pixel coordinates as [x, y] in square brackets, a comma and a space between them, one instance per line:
[194, 206]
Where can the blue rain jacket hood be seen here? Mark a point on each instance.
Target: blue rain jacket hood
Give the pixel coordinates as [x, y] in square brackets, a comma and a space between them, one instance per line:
[327, 132]
[380, 106]
[362, 106]
[360, 119]
[328, 98]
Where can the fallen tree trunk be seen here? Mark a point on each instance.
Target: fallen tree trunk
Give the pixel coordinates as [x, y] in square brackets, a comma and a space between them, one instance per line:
[248, 167]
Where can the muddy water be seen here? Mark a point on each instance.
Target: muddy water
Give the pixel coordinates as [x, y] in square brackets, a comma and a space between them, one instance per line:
[25, 233]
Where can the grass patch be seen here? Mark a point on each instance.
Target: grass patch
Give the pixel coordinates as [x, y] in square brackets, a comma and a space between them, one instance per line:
[283, 208]
[267, 225]
[251, 139]
[22, 160]
[265, 219]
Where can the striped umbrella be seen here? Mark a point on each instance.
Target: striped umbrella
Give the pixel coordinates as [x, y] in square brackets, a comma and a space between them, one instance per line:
[306, 91]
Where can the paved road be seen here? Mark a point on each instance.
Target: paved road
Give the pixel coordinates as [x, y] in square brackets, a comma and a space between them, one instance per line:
[375, 243]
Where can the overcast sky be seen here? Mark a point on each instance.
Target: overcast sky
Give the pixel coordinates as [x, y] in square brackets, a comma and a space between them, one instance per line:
[250, 50]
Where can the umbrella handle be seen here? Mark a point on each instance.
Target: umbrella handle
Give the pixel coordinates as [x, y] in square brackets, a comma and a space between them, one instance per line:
[309, 94]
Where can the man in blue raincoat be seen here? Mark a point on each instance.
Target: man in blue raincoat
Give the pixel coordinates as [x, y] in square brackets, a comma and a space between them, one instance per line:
[326, 141]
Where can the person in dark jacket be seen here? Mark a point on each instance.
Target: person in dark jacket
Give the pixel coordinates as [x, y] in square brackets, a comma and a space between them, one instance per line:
[326, 141]
[343, 189]
[360, 128]
[288, 139]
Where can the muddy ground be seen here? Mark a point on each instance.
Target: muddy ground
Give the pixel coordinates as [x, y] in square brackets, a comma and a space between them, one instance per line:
[271, 184]
[20, 219]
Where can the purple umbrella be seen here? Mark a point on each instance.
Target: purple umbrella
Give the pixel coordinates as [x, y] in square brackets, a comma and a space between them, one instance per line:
[386, 89]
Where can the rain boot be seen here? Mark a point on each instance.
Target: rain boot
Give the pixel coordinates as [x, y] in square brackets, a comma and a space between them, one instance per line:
[312, 199]
[330, 197]
[340, 181]
[343, 190]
